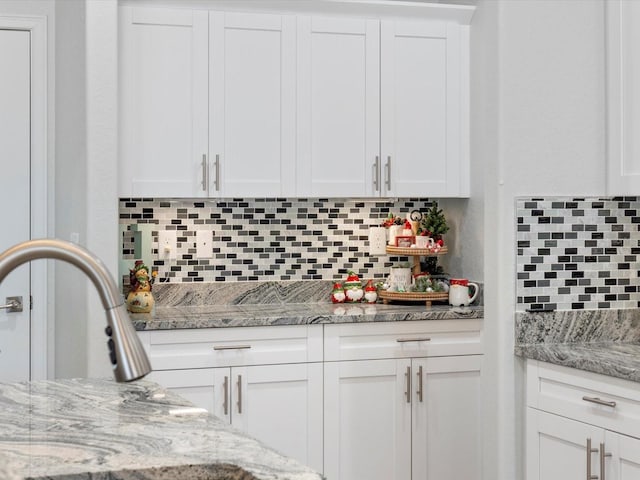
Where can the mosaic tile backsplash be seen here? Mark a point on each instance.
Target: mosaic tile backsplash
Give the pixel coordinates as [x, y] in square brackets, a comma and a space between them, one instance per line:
[578, 253]
[263, 239]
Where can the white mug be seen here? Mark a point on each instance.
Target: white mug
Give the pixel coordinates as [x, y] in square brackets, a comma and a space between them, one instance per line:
[423, 241]
[459, 294]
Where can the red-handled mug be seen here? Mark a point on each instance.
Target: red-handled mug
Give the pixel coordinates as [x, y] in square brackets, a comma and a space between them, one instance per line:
[459, 292]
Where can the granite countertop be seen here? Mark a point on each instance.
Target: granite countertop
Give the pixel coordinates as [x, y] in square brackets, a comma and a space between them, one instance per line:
[598, 341]
[75, 429]
[620, 360]
[247, 315]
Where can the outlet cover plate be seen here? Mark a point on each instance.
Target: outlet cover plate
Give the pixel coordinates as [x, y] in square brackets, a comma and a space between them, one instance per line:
[203, 244]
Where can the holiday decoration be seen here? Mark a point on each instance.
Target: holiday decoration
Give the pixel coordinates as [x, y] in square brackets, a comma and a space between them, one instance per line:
[140, 299]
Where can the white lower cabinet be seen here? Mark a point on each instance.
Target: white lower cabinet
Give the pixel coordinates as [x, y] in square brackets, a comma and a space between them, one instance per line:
[280, 405]
[387, 400]
[407, 414]
[266, 381]
[399, 419]
[580, 425]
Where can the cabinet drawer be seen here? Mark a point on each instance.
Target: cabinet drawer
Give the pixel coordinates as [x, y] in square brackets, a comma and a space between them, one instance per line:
[599, 400]
[221, 347]
[431, 338]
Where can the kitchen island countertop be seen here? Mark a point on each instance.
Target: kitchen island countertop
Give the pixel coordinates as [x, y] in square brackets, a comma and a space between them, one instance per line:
[67, 429]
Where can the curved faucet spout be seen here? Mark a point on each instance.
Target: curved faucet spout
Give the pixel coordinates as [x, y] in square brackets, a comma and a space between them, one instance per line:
[127, 355]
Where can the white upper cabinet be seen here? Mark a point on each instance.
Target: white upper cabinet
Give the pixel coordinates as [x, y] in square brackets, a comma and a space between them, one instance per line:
[338, 107]
[163, 113]
[222, 104]
[424, 105]
[382, 108]
[623, 97]
[252, 79]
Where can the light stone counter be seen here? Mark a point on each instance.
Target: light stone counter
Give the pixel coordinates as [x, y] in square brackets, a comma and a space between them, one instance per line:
[249, 304]
[82, 429]
[598, 341]
[248, 315]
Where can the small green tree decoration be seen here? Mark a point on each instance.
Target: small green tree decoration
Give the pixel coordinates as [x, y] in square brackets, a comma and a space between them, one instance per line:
[434, 223]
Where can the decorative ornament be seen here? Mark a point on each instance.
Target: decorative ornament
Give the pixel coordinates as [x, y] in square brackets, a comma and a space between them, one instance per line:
[353, 288]
[140, 299]
[337, 294]
[370, 292]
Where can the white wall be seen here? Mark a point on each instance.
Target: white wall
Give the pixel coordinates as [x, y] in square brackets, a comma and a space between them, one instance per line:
[538, 129]
[71, 192]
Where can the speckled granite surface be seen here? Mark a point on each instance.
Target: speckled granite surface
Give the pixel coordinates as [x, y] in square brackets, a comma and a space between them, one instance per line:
[247, 304]
[618, 360]
[67, 429]
[599, 341]
[213, 316]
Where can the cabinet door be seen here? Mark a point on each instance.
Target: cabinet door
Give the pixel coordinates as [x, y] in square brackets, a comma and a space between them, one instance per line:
[367, 423]
[281, 405]
[557, 447]
[623, 98]
[624, 463]
[252, 110]
[446, 435]
[338, 107]
[197, 386]
[163, 114]
[424, 104]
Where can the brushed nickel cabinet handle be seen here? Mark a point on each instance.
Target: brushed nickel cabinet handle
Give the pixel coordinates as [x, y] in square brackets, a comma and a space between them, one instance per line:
[376, 174]
[420, 383]
[606, 403]
[239, 393]
[589, 452]
[225, 403]
[419, 339]
[387, 180]
[603, 455]
[205, 176]
[407, 377]
[217, 181]
[231, 347]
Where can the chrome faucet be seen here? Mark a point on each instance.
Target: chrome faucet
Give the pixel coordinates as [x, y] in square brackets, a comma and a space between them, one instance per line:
[127, 355]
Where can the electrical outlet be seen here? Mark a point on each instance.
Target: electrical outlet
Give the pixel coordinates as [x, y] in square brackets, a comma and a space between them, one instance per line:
[167, 244]
[203, 244]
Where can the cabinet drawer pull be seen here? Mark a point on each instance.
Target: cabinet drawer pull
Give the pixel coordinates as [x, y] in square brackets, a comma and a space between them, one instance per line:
[407, 377]
[225, 403]
[606, 403]
[231, 347]
[420, 383]
[419, 339]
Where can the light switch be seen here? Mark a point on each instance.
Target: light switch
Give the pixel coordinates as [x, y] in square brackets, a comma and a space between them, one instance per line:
[167, 244]
[203, 244]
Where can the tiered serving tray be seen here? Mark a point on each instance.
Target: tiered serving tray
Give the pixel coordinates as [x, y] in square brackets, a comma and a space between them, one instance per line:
[426, 297]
